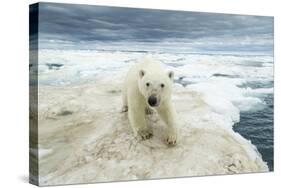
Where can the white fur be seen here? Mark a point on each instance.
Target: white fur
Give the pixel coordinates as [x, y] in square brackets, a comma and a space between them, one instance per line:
[136, 94]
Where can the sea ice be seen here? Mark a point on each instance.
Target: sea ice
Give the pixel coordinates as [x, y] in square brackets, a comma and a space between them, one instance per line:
[94, 143]
[86, 139]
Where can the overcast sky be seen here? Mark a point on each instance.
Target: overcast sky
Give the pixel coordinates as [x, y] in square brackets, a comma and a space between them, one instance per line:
[87, 24]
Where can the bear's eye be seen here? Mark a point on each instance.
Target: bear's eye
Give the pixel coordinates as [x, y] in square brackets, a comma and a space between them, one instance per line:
[147, 84]
[162, 85]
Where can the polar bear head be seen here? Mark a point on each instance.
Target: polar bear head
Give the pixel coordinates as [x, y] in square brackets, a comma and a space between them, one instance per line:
[155, 86]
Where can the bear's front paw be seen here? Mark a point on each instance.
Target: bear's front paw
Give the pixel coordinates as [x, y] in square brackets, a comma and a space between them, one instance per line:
[171, 139]
[145, 134]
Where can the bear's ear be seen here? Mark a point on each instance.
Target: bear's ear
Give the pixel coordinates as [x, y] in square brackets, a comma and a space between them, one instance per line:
[171, 75]
[141, 73]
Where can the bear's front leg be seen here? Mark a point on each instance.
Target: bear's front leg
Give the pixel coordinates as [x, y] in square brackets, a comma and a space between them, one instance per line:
[138, 124]
[168, 115]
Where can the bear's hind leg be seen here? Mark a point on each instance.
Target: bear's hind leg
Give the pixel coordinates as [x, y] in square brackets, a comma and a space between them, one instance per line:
[125, 101]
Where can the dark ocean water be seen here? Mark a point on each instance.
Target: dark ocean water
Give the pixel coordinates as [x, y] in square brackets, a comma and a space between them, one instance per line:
[257, 126]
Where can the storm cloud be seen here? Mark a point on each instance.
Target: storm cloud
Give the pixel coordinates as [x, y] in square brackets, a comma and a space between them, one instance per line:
[68, 23]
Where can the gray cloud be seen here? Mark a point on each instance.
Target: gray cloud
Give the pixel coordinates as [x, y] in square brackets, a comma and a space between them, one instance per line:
[87, 23]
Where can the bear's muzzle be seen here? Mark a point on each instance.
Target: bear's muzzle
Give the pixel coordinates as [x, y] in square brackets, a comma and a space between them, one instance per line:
[152, 101]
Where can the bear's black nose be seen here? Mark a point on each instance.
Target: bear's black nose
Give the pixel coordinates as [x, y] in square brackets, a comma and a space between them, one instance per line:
[152, 100]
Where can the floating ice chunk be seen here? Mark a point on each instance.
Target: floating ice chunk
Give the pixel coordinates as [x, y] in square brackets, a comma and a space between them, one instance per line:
[221, 93]
[258, 91]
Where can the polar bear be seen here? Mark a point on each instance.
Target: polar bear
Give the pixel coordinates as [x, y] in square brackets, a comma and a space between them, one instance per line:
[148, 86]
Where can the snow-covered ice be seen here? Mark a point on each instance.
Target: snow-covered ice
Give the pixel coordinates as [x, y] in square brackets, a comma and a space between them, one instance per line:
[84, 138]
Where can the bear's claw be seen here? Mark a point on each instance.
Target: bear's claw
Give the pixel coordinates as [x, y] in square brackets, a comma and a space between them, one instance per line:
[145, 134]
[171, 142]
